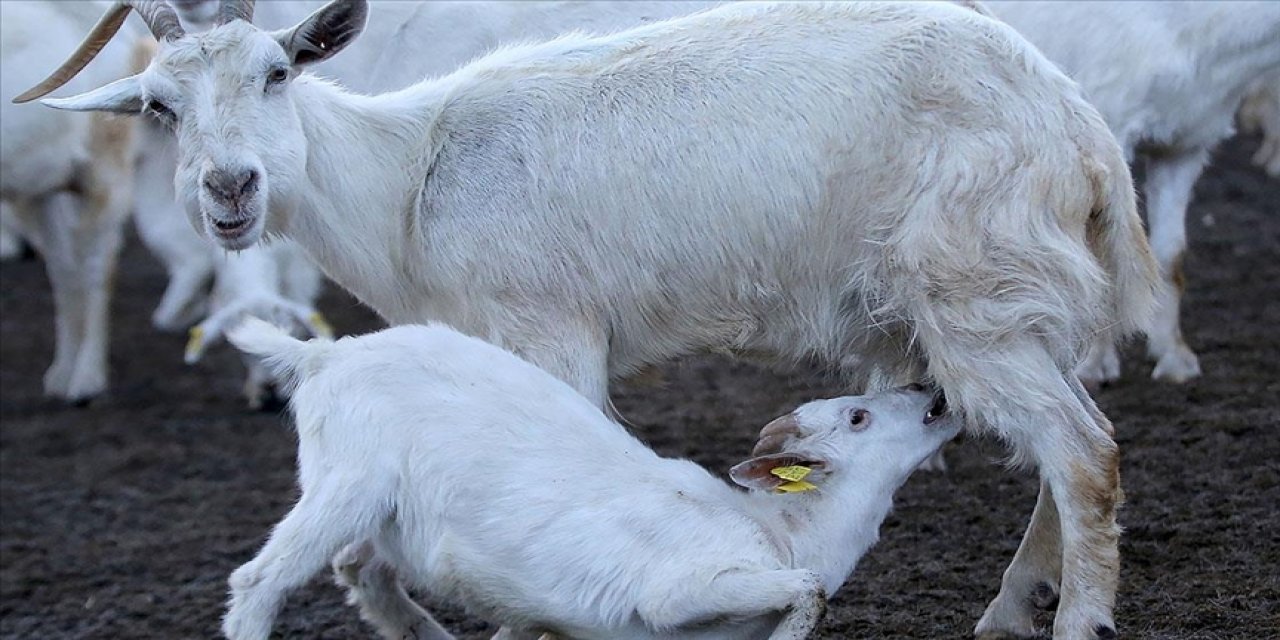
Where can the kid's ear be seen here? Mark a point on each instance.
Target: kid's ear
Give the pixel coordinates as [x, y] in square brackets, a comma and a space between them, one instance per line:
[757, 473]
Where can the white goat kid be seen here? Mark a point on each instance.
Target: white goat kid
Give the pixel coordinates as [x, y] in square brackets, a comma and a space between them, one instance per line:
[65, 182]
[12, 244]
[276, 283]
[488, 481]
[1168, 77]
[1260, 113]
[188, 259]
[903, 190]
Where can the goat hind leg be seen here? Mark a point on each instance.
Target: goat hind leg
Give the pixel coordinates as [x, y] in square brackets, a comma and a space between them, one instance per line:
[1031, 580]
[1079, 467]
[373, 587]
[326, 518]
[1170, 180]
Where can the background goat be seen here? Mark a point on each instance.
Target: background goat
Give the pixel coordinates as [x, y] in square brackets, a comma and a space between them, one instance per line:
[1168, 77]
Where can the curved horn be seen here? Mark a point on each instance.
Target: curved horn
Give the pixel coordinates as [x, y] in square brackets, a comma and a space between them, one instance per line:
[235, 10]
[159, 16]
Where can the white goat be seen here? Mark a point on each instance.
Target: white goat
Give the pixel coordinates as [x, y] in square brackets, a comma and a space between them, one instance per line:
[902, 190]
[486, 480]
[1168, 77]
[65, 183]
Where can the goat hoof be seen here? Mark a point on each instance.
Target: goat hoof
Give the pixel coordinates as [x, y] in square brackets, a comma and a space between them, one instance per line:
[1044, 597]
[1177, 366]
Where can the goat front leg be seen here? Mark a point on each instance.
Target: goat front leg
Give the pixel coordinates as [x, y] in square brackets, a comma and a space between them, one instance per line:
[1170, 180]
[373, 587]
[56, 224]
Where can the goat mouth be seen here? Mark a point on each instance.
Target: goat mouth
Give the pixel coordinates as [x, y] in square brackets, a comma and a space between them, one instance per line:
[231, 228]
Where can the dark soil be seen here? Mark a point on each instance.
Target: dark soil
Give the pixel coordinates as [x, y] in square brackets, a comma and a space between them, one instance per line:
[123, 519]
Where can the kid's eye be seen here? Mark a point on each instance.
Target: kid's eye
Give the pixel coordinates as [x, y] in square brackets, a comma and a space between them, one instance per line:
[858, 418]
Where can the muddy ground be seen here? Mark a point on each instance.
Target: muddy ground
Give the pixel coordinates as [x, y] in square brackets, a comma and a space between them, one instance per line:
[123, 519]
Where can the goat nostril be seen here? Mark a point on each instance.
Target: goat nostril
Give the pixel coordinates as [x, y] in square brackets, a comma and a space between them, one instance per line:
[248, 182]
[915, 386]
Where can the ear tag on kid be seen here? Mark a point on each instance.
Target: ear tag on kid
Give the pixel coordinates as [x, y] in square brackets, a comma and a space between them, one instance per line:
[794, 476]
[321, 327]
[195, 343]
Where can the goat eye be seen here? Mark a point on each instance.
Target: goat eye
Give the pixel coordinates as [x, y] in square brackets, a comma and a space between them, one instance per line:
[858, 418]
[161, 111]
[277, 75]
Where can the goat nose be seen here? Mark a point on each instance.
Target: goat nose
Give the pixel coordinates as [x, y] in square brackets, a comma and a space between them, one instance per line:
[230, 186]
[915, 386]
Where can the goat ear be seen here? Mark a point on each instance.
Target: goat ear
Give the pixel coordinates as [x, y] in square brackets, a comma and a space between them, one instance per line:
[325, 32]
[757, 473]
[121, 96]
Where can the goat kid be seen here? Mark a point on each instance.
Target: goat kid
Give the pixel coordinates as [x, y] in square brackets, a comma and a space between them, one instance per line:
[486, 480]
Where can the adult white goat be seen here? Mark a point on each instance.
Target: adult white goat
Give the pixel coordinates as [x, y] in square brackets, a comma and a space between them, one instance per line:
[900, 189]
[1168, 77]
[65, 184]
[439, 449]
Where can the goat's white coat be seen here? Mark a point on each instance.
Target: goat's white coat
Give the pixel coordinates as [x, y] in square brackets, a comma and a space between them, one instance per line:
[904, 190]
[65, 180]
[489, 482]
[1168, 77]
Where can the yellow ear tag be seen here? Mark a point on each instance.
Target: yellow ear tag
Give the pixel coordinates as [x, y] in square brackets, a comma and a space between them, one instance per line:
[796, 487]
[794, 475]
[323, 330]
[195, 340]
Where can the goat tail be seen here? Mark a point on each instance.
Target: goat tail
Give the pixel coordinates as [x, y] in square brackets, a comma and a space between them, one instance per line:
[1118, 240]
[286, 357]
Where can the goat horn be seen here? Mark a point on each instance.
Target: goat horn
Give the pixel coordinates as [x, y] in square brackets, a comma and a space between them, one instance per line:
[160, 18]
[774, 434]
[158, 15]
[235, 10]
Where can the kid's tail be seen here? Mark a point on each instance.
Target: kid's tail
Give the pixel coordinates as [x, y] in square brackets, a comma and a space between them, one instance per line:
[289, 359]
